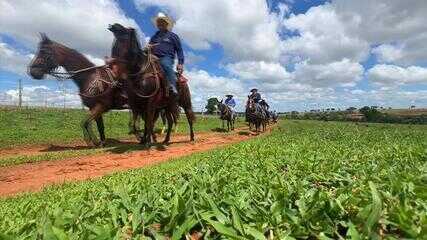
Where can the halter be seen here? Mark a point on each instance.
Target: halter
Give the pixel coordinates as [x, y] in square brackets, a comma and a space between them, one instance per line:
[49, 62]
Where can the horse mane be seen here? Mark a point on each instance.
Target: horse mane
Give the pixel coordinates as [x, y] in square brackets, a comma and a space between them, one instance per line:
[73, 55]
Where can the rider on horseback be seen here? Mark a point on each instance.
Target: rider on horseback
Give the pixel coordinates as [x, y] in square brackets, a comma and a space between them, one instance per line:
[229, 101]
[255, 95]
[165, 45]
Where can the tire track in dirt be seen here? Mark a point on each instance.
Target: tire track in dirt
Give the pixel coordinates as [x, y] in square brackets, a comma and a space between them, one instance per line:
[34, 177]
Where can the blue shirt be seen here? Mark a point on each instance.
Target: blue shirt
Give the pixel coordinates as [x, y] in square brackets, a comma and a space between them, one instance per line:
[230, 102]
[168, 44]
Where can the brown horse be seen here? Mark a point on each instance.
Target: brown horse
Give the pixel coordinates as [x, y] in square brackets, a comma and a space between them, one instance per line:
[86, 76]
[127, 45]
[226, 114]
[144, 83]
[255, 115]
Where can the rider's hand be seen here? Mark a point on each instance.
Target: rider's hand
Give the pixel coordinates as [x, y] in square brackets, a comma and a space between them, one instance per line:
[180, 68]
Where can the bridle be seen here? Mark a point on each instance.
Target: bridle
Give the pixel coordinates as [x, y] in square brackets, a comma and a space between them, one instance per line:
[50, 65]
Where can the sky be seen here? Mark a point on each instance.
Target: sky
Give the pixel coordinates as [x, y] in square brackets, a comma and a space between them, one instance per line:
[300, 54]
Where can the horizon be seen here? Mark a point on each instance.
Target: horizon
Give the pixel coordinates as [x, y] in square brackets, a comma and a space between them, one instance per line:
[302, 55]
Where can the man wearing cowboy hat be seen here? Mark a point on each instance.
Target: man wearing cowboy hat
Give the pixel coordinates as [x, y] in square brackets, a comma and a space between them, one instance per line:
[166, 45]
[229, 101]
[255, 95]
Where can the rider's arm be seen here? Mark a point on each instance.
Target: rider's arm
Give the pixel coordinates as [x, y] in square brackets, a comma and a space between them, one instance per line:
[178, 49]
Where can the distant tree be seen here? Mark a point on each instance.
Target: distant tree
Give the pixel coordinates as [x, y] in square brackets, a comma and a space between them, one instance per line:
[211, 105]
[371, 113]
[351, 109]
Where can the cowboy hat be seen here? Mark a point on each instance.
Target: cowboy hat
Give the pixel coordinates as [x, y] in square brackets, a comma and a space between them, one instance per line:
[164, 17]
[254, 89]
[229, 95]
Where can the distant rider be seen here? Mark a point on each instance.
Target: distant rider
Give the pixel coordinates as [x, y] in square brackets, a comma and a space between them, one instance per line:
[229, 101]
[255, 95]
[166, 45]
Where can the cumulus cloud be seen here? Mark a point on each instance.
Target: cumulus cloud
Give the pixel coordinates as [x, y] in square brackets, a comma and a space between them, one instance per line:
[79, 24]
[247, 30]
[385, 74]
[261, 71]
[41, 96]
[12, 60]
[347, 29]
[342, 73]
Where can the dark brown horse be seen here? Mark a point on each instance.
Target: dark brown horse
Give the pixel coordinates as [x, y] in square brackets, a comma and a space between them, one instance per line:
[226, 114]
[127, 45]
[145, 85]
[87, 77]
[256, 115]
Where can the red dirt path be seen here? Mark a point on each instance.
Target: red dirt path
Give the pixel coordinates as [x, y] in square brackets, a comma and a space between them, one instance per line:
[34, 177]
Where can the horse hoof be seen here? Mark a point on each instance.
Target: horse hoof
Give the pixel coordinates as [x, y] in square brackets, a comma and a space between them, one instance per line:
[166, 142]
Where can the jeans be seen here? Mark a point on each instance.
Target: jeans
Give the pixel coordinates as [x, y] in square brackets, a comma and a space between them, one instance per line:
[167, 66]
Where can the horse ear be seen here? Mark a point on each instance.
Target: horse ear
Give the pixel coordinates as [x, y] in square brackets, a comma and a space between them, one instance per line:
[44, 37]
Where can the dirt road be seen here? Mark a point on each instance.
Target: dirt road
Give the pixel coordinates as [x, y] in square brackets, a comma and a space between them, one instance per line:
[127, 155]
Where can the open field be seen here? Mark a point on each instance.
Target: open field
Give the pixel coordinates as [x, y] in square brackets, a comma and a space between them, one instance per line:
[57, 126]
[306, 179]
[406, 112]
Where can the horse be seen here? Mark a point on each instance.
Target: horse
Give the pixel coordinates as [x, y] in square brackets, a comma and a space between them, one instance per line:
[95, 83]
[255, 114]
[226, 114]
[145, 86]
[126, 45]
[274, 116]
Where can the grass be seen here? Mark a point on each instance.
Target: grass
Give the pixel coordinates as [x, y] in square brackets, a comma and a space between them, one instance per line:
[306, 180]
[54, 126]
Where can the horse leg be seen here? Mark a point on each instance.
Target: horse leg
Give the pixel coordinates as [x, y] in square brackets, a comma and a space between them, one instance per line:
[95, 113]
[135, 125]
[100, 126]
[189, 114]
[170, 122]
[149, 125]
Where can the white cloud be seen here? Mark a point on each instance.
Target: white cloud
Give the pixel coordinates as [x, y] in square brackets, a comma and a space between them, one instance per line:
[323, 37]
[12, 60]
[261, 71]
[191, 58]
[79, 24]
[342, 73]
[384, 74]
[348, 28]
[246, 29]
[41, 96]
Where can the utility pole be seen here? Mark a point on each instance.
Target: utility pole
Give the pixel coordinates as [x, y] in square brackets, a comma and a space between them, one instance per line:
[20, 93]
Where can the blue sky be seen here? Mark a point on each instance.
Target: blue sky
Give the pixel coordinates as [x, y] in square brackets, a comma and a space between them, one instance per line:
[301, 54]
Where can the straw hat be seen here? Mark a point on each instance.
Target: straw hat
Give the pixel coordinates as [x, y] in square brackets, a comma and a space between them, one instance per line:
[164, 17]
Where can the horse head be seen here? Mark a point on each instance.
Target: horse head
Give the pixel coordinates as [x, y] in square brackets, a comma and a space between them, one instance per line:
[126, 46]
[250, 105]
[45, 59]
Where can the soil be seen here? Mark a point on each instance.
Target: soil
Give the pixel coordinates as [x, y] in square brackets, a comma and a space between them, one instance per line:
[32, 177]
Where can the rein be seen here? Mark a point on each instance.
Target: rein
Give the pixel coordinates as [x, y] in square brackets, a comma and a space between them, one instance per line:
[144, 68]
[69, 75]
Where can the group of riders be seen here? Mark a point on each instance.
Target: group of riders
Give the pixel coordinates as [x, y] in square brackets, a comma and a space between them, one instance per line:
[256, 98]
[166, 45]
[141, 79]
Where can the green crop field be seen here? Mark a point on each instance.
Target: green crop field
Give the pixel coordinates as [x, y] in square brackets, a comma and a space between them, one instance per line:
[53, 126]
[306, 179]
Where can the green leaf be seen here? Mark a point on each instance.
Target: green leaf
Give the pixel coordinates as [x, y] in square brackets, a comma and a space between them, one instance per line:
[352, 232]
[376, 208]
[254, 233]
[59, 233]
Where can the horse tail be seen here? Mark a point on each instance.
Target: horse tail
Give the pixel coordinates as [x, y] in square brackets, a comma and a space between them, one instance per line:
[185, 101]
